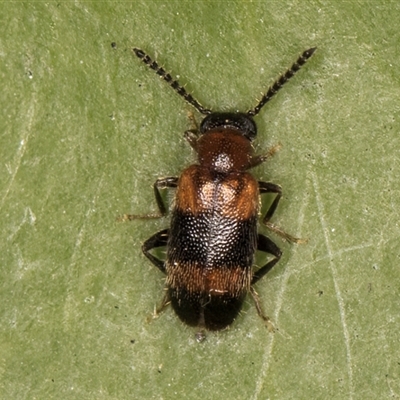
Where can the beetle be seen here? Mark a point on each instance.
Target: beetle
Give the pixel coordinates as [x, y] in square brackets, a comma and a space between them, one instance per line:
[213, 235]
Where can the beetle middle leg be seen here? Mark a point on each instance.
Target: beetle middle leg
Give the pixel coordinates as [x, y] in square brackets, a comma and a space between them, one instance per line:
[268, 187]
[170, 182]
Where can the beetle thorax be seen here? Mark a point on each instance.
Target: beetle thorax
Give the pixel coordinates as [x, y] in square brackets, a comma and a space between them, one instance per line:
[224, 151]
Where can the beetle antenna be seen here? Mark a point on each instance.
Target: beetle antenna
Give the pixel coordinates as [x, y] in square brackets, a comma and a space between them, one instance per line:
[272, 90]
[172, 82]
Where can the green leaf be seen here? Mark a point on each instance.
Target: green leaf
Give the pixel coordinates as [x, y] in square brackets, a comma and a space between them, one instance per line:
[86, 129]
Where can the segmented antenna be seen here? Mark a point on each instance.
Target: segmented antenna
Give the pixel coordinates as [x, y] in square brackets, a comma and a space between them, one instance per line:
[168, 78]
[272, 90]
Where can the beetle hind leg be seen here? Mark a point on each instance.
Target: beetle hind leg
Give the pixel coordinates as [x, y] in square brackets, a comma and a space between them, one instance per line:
[260, 311]
[266, 245]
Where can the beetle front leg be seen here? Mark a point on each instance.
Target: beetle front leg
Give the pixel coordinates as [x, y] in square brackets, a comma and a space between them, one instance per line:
[192, 135]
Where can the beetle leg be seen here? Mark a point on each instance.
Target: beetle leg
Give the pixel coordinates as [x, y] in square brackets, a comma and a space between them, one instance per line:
[260, 311]
[266, 245]
[159, 239]
[260, 158]
[158, 310]
[192, 135]
[268, 187]
[170, 182]
[163, 183]
[164, 304]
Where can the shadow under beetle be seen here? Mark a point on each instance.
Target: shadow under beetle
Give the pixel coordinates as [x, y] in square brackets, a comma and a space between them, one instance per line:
[213, 235]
